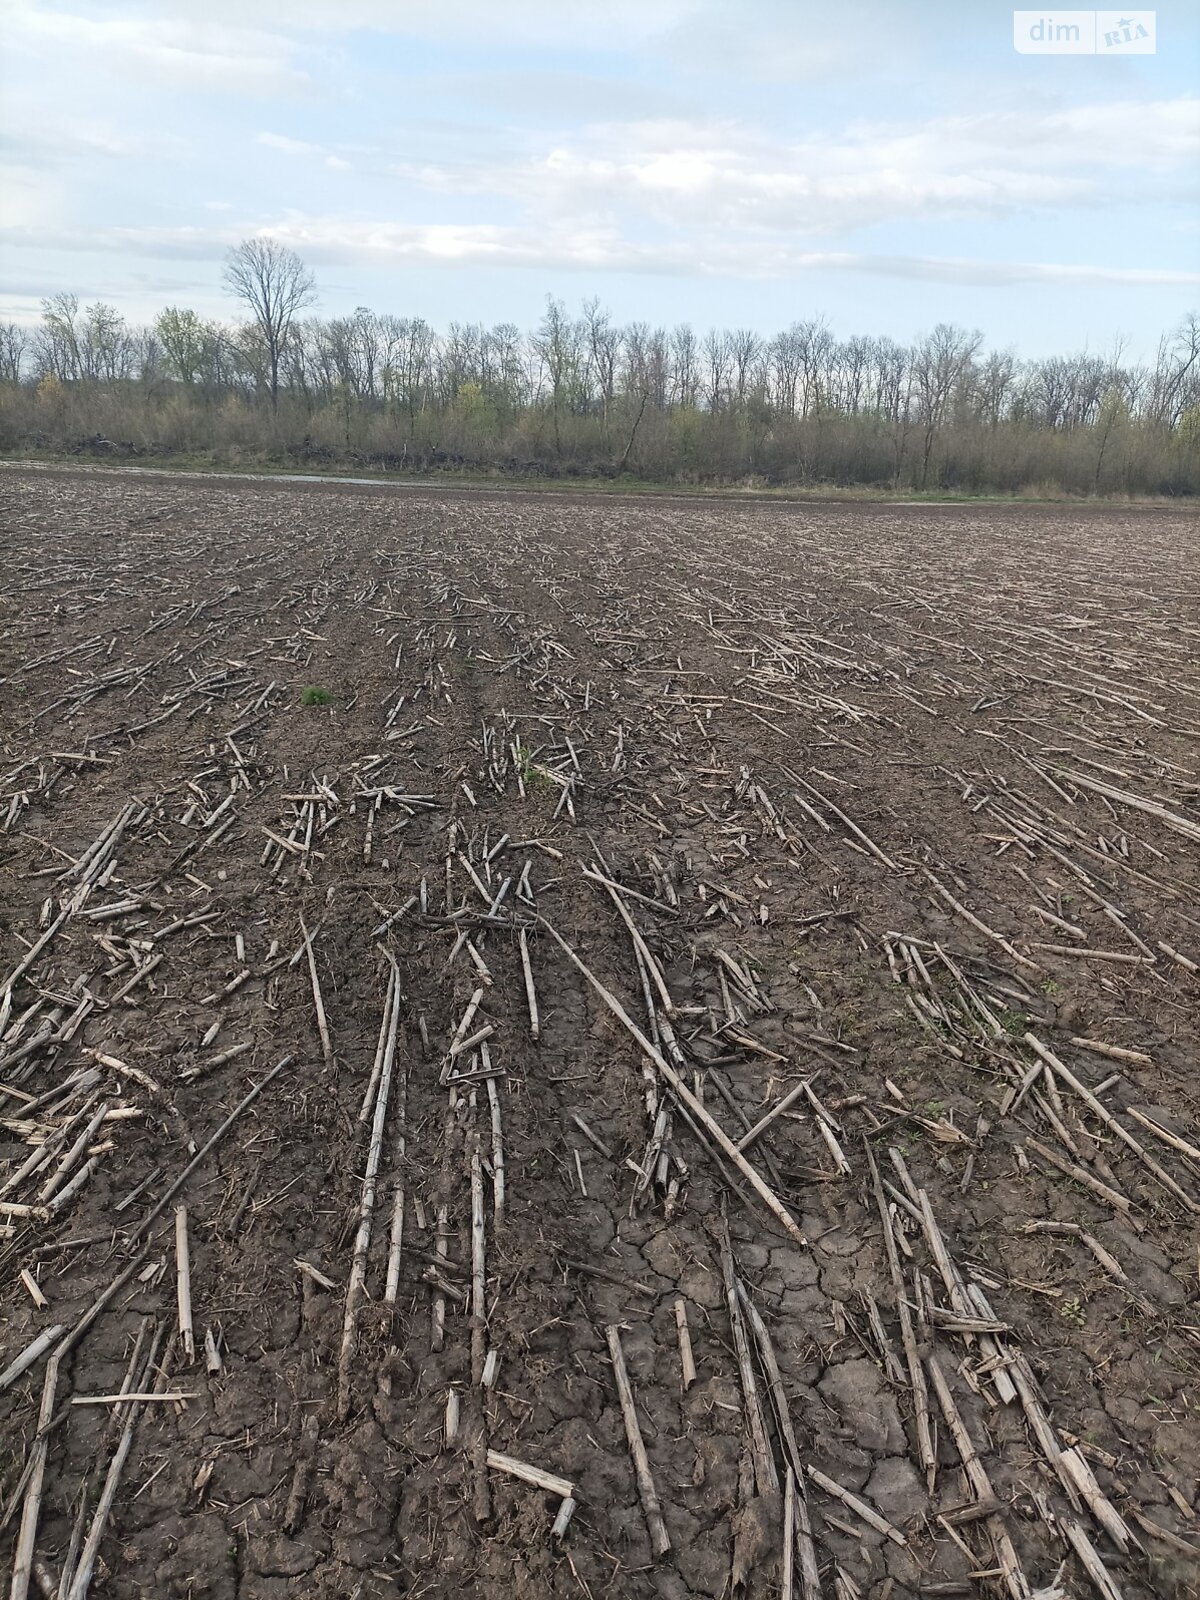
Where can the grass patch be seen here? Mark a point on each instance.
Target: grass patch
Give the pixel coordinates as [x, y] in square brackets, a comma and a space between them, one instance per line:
[264, 465]
[1013, 1023]
[533, 776]
[313, 696]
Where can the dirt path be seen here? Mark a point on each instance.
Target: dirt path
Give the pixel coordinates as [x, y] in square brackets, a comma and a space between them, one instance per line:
[618, 826]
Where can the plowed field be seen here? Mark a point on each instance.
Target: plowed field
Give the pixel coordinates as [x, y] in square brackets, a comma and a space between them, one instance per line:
[595, 1047]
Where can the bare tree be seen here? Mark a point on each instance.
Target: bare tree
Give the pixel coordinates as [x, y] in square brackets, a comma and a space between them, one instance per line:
[108, 350]
[685, 354]
[410, 352]
[1113, 418]
[853, 357]
[783, 354]
[994, 384]
[274, 285]
[798, 407]
[604, 348]
[510, 369]
[14, 341]
[817, 349]
[643, 371]
[559, 344]
[942, 362]
[1175, 382]
[718, 358]
[747, 349]
[58, 344]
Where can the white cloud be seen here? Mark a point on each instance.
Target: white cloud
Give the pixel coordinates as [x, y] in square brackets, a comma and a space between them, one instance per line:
[190, 52]
[617, 25]
[63, 142]
[987, 165]
[28, 199]
[286, 146]
[23, 309]
[768, 40]
[779, 41]
[308, 152]
[324, 240]
[657, 187]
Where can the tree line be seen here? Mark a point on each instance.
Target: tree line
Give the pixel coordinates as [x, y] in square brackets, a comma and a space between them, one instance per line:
[584, 395]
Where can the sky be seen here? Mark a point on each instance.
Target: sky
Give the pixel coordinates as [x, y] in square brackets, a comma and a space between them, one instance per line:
[886, 164]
